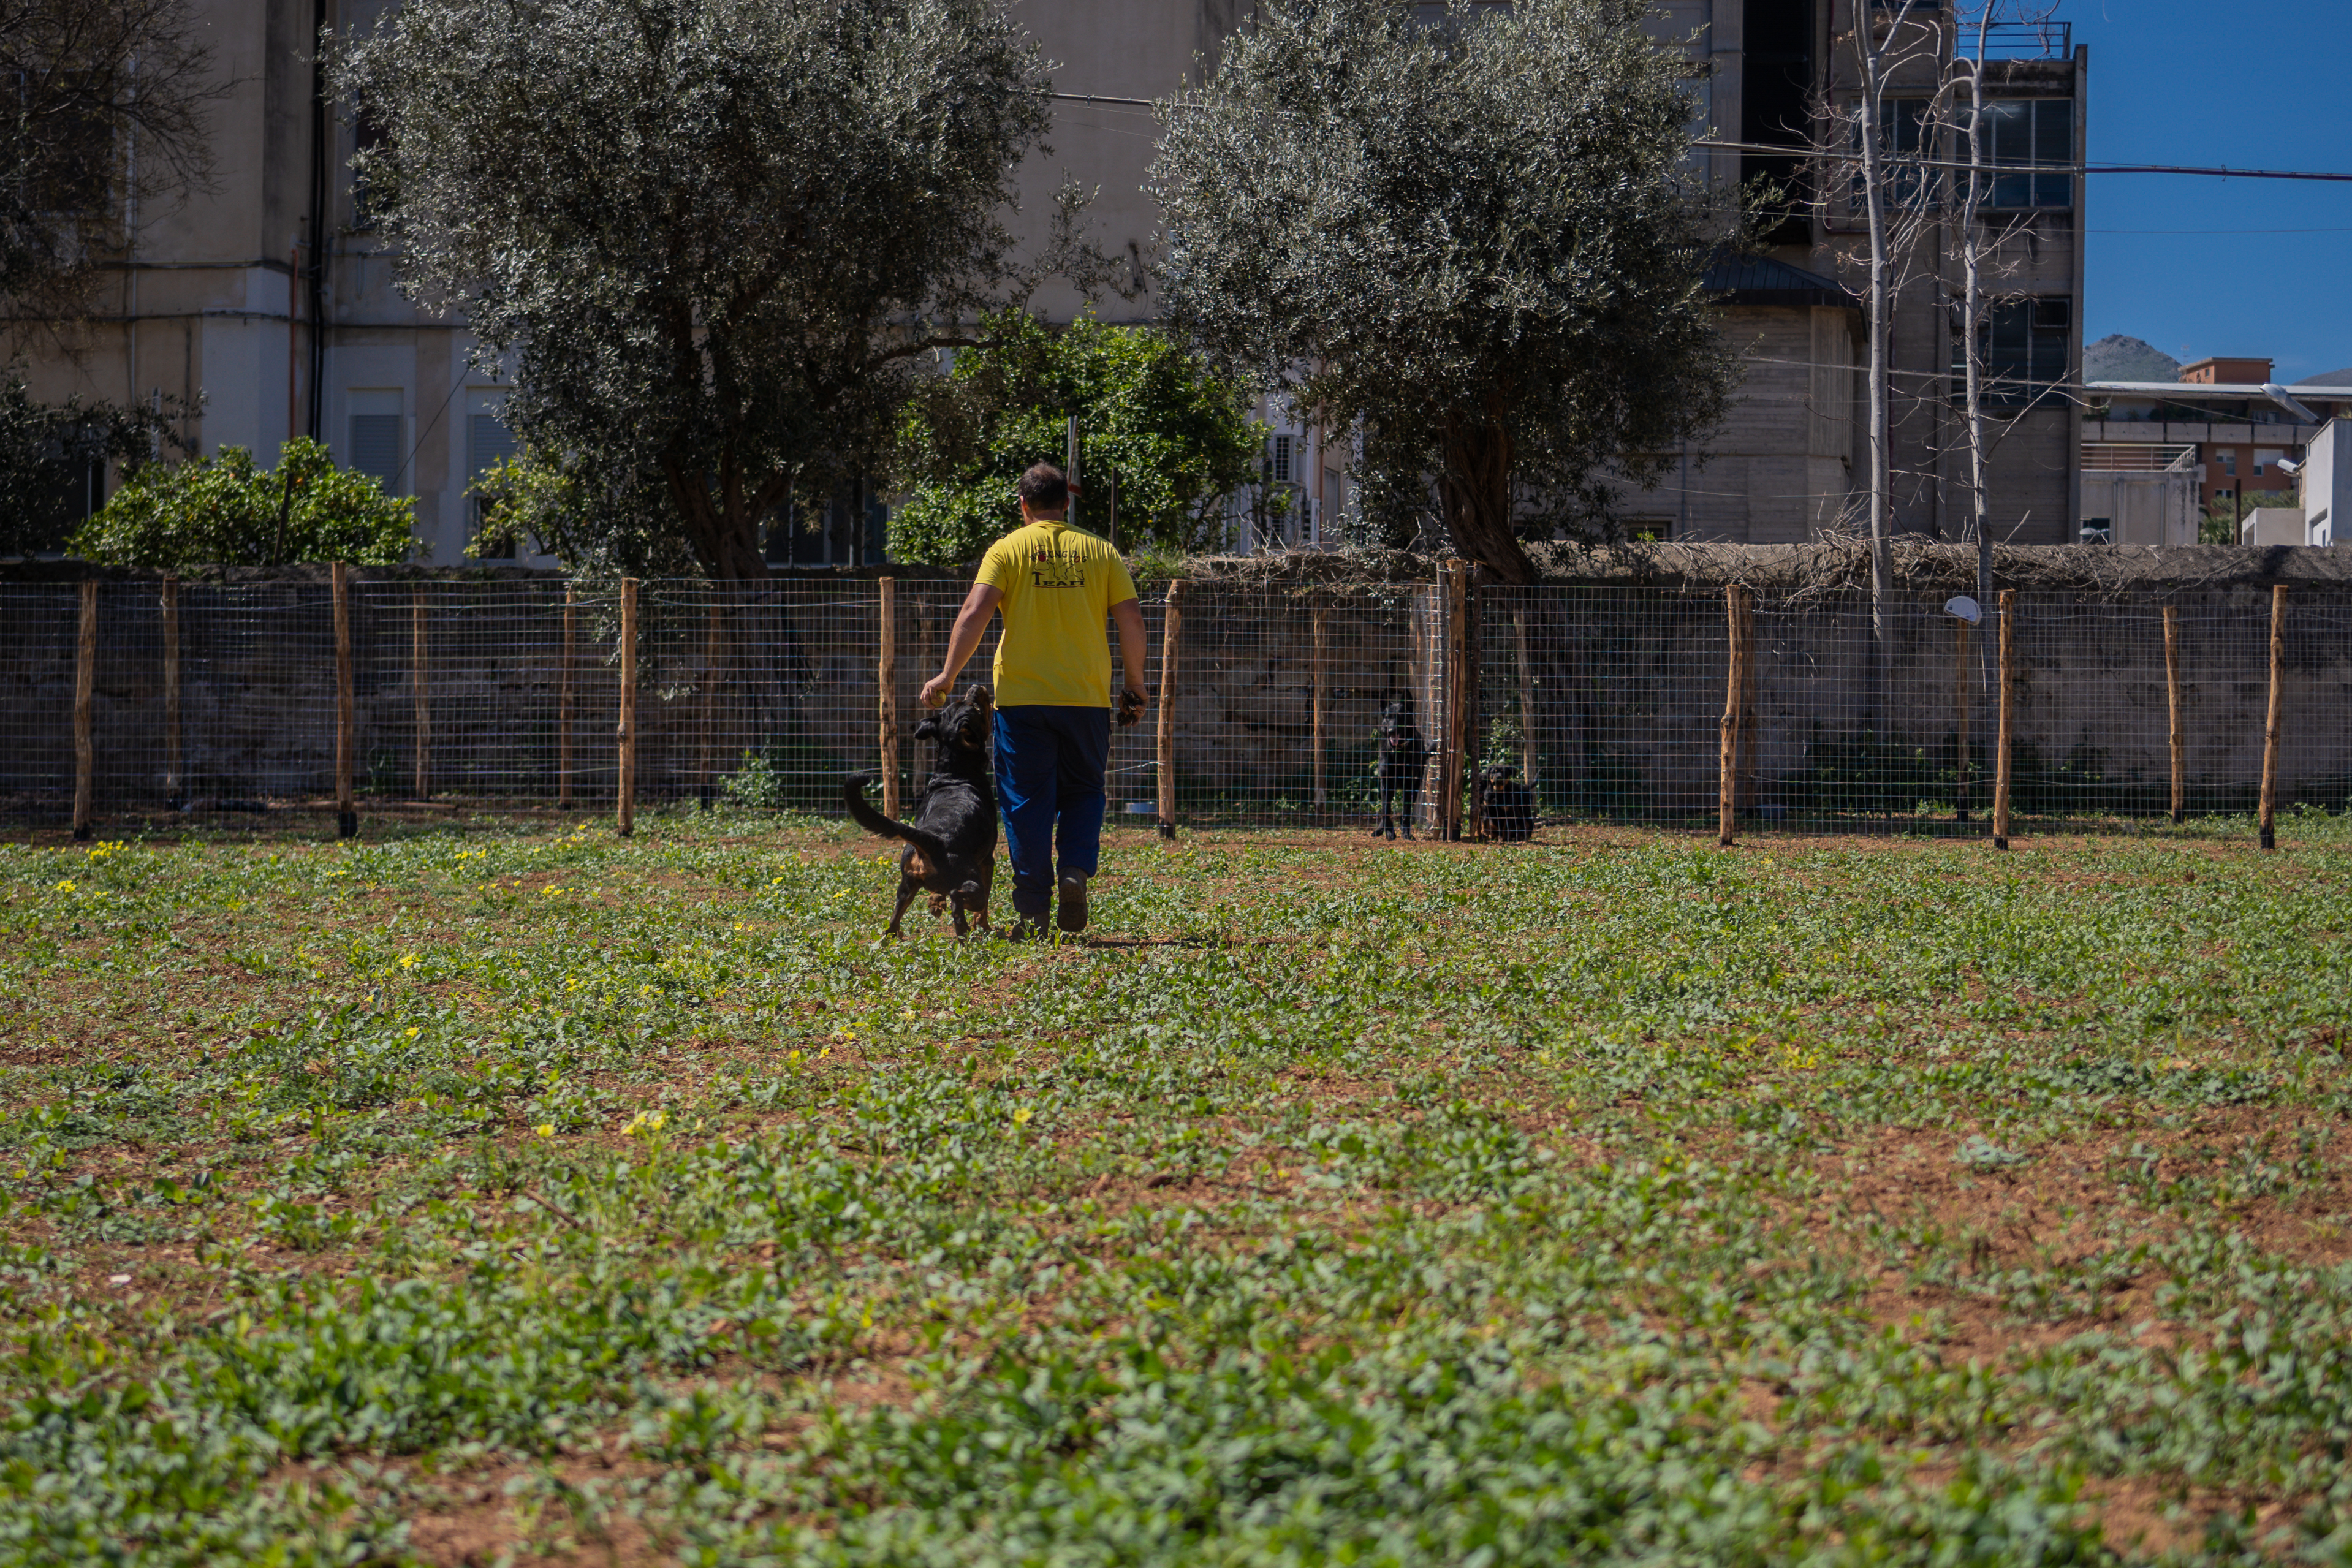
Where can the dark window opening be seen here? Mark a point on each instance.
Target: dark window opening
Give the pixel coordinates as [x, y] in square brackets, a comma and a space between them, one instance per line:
[852, 529]
[2025, 344]
[71, 491]
[1906, 131]
[1776, 88]
[367, 136]
[2020, 135]
[70, 172]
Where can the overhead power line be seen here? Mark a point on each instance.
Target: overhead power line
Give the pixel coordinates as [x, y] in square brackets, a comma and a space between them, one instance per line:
[1911, 161]
[1908, 161]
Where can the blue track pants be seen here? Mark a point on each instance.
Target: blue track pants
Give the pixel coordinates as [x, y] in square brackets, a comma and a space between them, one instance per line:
[1049, 782]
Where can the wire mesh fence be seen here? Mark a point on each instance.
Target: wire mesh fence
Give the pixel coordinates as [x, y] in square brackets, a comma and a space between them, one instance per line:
[1321, 707]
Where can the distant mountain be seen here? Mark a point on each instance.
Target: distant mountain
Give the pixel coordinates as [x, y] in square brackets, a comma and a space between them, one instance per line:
[2328, 379]
[2116, 357]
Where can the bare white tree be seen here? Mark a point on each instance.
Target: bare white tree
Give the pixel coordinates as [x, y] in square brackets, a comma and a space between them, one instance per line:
[1894, 44]
[1980, 249]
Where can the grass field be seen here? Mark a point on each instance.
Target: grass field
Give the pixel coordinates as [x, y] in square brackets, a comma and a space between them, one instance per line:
[522, 1191]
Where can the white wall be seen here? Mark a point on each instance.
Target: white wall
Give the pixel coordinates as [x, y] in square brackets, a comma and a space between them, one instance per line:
[2326, 482]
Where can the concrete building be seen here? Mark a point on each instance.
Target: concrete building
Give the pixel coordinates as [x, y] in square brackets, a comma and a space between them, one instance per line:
[273, 298]
[2223, 410]
[2323, 490]
[276, 300]
[1792, 459]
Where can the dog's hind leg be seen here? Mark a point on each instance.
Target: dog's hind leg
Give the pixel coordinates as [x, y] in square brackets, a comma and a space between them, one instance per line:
[986, 880]
[907, 888]
[969, 894]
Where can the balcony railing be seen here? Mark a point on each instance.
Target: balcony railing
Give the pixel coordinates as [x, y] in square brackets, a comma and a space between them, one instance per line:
[2136, 457]
[2017, 41]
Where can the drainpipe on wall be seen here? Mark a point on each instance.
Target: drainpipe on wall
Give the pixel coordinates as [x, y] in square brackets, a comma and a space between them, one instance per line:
[318, 223]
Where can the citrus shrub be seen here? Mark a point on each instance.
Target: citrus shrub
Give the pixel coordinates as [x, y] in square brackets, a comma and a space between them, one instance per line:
[229, 511]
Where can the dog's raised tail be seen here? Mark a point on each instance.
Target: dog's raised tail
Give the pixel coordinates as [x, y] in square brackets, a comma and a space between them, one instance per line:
[862, 812]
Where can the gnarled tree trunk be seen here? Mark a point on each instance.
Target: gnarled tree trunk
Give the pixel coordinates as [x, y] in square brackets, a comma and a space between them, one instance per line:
[1475, 488]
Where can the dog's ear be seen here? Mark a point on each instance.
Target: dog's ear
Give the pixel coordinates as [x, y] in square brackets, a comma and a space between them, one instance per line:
[978, 696]
[927, 729]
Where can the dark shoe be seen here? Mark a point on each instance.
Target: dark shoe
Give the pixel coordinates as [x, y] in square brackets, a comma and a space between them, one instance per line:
[1023, 929]
[1070, 908]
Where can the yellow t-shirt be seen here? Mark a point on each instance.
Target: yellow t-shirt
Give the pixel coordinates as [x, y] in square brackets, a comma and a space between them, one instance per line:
[1059, 583]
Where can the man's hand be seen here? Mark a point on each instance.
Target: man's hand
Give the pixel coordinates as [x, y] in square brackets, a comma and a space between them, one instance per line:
[1131, 704]
[963, 641]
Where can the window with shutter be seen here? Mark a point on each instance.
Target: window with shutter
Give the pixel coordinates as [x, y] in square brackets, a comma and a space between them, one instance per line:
[376, 427]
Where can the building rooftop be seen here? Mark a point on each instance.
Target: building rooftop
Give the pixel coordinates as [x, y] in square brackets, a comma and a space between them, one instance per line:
[2198, 392]
[1759, 280]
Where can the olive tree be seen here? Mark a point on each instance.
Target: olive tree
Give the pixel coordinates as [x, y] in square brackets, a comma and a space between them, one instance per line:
[712, 239]
[1475, 238]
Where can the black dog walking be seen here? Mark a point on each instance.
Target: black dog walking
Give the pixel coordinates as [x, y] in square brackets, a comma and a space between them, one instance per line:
[1402, 754]
[950, 850]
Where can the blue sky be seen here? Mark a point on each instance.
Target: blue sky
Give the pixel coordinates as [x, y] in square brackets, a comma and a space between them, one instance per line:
[2256, 84]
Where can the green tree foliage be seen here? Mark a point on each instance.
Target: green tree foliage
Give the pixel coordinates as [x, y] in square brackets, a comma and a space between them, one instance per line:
[228, 512]
[1475, 238]
[2221, 523]
[713, 237]
[46, 448]
[1162, 435]
[602, 519]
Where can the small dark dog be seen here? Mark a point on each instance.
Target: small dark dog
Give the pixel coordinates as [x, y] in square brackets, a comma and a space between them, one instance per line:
[1506, 808]
[1402, 754]
[951, 843]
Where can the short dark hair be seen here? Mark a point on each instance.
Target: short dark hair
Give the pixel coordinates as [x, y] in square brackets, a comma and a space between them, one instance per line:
[1044, 489]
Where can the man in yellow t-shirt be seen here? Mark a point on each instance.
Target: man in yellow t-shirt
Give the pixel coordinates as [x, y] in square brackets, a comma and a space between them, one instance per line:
[1055, 585]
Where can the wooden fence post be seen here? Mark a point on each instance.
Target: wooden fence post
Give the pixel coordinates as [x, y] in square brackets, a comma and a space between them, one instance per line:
[419, 660]
[628, 725]
[886, 615]
[564, 703]
[1171, 624]
[1449, 779]
[347, 811]
[1320, 671]
[2001, 760]
[2172, 704]
[173, 788]
[85, 687]
[2271, 726]
[1962, 762]
[1734, 689]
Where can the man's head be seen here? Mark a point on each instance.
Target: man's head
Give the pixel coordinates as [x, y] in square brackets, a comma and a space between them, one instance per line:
[1043, 494]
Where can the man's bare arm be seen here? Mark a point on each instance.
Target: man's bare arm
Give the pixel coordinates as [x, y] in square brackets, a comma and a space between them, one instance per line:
[970, 626]
[1128, 616]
